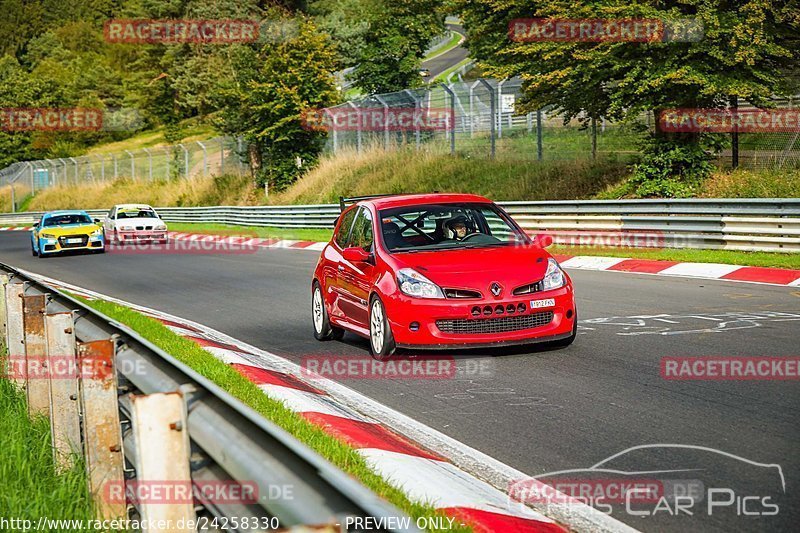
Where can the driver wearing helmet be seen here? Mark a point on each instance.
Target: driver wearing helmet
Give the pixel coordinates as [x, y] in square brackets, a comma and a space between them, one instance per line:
[458, 227]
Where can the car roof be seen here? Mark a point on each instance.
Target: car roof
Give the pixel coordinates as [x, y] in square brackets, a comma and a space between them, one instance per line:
[66, 212]
[402, 200]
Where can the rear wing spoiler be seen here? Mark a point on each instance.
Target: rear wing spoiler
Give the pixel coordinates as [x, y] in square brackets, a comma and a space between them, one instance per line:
[343, 202]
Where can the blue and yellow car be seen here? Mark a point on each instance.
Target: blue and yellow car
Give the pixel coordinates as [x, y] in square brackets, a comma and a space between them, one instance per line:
[61, 231]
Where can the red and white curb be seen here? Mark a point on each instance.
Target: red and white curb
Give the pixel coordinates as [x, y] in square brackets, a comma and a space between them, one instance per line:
[718, 271]
[247, 242]
[428, 466]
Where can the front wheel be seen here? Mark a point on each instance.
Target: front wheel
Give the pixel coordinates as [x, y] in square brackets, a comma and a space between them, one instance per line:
[34, 253]
[381, 340]
[563, 343]
[323, 330]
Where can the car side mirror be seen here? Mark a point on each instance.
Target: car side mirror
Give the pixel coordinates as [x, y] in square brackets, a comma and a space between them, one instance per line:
[35, 224]
[97, 221]
[355, 254]
[543, 240]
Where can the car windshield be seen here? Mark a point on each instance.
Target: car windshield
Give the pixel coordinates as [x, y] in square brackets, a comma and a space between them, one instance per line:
[136, 213]
[64, 220]
[448, 226]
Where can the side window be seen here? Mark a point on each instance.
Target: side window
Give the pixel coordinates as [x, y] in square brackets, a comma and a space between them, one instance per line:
[362, 230]
[344, 228]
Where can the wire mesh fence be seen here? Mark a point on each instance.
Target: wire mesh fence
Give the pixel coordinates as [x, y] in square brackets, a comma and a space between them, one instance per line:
[213, 157]
[477, 118]
[483, 121]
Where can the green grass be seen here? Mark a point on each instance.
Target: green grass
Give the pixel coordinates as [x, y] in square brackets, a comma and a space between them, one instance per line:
[761, 259]
[444, 75]
[191, 130]
[297, 234]
[29, 486]
[451, 43]
[335, 451]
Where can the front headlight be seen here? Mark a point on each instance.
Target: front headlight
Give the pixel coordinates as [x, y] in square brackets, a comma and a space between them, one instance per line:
[97, 232]
[161, 227]
[412, 283]
[47, 236]
[554, 277]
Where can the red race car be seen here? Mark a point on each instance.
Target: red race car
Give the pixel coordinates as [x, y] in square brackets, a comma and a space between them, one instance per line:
[437, 271]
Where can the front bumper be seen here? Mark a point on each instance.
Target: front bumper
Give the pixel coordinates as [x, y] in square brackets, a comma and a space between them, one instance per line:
[144, 236]
[58, 245]
[414, 320]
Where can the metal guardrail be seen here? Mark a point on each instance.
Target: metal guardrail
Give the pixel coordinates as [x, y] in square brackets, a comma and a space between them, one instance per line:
[735, 224]
[222, 440]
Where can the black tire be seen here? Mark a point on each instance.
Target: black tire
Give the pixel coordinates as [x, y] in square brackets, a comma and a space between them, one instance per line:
[34, 253]
[387, 345]
[323, 330]
[563, 343]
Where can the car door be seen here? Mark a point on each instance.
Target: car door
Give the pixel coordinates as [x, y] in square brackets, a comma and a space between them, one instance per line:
[108, 222]
[333, 262]
[35, 234]
[355, 279]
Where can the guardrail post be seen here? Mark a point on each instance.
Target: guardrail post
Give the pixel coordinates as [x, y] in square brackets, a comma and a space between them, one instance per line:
[499, 108]
[161, 438]
[451, 121]
[38, 389]
[133, 164]
[15, 333]
[101, 426]
[3, 323]
[492, 112]
[65, 427]
[539, 143]
[205, 159]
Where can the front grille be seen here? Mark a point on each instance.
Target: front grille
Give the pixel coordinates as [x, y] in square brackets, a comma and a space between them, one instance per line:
[62, 241]
[461, 293]
[495, 325]
[528, 289]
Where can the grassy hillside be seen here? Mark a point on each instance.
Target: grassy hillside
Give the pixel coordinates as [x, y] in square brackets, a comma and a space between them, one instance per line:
[409, 171]
[372, 172]
[354, 174]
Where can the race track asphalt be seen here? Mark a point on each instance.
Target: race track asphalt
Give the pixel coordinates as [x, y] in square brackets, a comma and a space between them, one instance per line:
[452, 57]
[540, 410]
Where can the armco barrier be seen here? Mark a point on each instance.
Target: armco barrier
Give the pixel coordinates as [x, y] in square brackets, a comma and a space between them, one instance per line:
[149, 421]
[734, 224]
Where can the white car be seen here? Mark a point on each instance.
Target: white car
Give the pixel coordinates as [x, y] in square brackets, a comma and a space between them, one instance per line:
[129, 223]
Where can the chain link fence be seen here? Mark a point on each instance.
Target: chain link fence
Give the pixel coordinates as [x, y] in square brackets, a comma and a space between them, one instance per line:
[212, 157]
[484, 122]
[472, 118]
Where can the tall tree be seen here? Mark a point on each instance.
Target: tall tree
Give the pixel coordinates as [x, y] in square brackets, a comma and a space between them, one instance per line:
[275, 86]
[748, 49]
[398, 35]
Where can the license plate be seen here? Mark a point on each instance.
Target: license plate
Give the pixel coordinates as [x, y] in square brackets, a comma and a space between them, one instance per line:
[538, 304]
[74, 241]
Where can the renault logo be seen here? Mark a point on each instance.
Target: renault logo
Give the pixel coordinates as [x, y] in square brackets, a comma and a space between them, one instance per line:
[496, 288]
